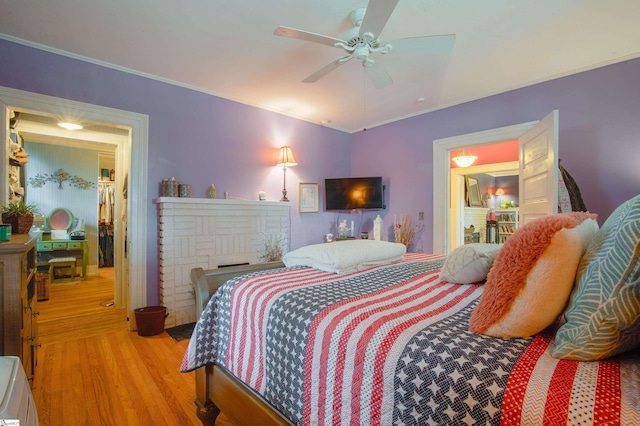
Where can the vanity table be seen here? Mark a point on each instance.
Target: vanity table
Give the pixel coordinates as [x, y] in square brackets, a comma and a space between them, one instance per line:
[60, 221]
[63, 248]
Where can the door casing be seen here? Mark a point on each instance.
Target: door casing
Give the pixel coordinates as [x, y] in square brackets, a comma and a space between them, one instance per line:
[131, 290]
[442, 174]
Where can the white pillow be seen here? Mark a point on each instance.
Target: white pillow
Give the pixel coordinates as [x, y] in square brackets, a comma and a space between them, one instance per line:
[343, 257]
[469, 263]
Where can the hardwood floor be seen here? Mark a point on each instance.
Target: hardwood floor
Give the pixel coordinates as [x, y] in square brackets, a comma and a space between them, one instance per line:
[93, 371]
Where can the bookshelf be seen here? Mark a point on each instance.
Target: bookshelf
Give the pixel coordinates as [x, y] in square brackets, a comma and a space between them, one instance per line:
[508, 221]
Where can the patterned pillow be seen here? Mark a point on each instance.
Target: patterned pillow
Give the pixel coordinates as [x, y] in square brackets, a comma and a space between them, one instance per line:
[603, 318]
[469, 263]
[531, 279]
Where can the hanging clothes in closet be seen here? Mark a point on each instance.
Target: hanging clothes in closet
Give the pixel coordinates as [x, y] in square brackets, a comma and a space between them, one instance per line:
[106, 203]
[105, 245]
[106, 200]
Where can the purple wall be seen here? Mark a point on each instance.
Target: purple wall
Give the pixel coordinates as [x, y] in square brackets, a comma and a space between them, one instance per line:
[599, 140]
[197, 138]
[201, 139]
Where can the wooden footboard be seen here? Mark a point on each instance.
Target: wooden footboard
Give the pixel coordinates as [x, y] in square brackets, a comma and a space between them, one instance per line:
[216, 389]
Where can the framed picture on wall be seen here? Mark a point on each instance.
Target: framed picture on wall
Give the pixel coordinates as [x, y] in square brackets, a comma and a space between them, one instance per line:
[473, 192]
[308, 197]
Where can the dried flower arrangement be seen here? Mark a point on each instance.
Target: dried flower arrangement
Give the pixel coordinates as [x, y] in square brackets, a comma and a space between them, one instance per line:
[273, 248]
[404, 230]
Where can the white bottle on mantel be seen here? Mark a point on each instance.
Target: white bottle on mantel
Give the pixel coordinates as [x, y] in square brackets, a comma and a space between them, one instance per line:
[377, 228]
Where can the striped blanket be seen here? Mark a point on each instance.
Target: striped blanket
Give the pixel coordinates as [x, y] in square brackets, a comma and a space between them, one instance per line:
[390, 345]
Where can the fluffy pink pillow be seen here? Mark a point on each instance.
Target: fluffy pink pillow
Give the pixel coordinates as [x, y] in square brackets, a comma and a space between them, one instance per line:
[532, 277]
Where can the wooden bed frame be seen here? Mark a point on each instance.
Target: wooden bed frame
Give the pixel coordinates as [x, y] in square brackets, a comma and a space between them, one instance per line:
[217, 390]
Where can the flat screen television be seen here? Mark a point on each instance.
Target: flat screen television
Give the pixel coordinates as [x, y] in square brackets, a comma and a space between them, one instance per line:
[364, 193]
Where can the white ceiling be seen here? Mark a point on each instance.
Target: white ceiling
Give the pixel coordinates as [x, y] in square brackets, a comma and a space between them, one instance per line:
[227, 48]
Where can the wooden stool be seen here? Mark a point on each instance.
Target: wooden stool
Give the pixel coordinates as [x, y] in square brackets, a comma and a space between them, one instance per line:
[61, 262]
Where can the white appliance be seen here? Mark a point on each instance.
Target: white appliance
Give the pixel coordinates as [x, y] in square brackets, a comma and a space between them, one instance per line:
[16, 401]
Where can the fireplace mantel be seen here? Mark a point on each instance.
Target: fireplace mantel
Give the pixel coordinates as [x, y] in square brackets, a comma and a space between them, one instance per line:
[219, 201]
[210, 233]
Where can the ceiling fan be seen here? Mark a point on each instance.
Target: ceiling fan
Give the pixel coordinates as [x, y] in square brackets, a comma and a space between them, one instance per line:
[364, 40]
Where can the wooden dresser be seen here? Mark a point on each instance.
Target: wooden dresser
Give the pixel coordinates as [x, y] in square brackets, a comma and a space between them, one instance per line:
[18, 298]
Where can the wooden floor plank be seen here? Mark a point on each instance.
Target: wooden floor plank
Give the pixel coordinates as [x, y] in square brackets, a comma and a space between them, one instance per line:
[91, 415]
[93, 371]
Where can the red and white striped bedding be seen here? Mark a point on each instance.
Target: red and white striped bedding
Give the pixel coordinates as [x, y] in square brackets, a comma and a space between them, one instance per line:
[390, 345]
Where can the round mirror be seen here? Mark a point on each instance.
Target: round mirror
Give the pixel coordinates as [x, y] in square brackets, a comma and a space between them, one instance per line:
[60, 219]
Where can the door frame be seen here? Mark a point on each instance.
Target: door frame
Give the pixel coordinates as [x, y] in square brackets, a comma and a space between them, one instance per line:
[129, 293]
[442, 174]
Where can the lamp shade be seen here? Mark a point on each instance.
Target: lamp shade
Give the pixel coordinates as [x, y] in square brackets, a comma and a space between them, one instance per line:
[286, 158]
[500, 191]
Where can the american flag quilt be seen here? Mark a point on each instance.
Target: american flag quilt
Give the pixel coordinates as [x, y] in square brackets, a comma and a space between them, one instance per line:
[391, 346]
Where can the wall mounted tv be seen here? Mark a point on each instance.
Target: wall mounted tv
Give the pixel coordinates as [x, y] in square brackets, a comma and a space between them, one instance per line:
[359, 193]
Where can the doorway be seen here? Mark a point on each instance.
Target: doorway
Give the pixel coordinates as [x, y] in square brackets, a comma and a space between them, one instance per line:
[456, 212]
[131, 285]
[537, 171]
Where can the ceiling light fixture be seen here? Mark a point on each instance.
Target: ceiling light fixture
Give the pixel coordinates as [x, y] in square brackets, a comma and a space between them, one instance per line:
[463, 160]
[70, 126]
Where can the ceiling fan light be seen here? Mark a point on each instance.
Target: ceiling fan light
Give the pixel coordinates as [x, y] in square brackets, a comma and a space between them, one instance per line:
[464, 160]
[361, 53]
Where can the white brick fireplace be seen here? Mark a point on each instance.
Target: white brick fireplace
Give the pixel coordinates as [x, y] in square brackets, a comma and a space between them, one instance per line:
[210, 233]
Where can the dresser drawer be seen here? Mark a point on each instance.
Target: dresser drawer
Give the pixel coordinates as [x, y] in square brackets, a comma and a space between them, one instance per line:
[74, 245]
[44, 246]
[60, 246]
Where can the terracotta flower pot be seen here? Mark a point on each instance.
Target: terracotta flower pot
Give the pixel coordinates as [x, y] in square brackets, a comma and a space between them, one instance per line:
[20, 224]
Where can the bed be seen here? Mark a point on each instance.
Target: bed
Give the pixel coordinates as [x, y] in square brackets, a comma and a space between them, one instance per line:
[390, 343]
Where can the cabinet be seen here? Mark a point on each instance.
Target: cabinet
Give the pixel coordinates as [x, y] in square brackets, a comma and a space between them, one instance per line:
[508, 221]
[17, 157]
[18, 300]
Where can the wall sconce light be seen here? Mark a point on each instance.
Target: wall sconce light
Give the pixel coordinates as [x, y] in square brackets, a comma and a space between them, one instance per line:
[285, 159]
[463, 160]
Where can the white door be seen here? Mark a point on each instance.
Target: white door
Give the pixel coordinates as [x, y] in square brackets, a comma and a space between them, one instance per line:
[538, 183]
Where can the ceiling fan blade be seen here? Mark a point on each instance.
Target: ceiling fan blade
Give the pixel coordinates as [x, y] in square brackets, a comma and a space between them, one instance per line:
[378, 12]
[324, 71]
[306, 35]
[378, 75]
[426, 44]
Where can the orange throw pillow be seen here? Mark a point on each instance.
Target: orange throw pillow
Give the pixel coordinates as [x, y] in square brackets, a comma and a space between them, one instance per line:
[531, 279]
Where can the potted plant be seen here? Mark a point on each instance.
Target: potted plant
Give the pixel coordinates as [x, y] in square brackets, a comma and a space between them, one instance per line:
[19, 215]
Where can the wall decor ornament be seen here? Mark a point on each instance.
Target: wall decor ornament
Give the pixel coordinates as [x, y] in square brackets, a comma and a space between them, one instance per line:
[60, 176]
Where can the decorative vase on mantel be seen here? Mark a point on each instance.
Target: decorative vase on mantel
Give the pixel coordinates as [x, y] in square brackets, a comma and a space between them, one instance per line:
[20, 223]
